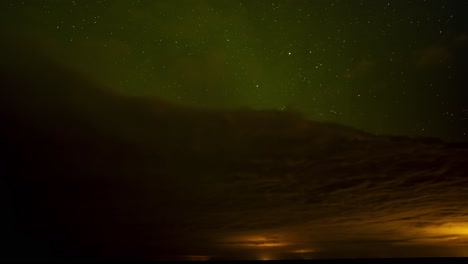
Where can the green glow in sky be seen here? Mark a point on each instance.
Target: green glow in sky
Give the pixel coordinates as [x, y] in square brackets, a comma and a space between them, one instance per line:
[387, 67]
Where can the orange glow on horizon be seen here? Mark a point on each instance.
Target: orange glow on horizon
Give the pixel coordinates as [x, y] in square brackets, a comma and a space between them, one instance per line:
[265, 257]
[449, 232]
[257, 241]
[453, 228]
[302, 251]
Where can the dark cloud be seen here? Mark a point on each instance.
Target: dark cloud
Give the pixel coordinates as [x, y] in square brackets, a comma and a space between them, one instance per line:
[434, 55]
[461, 40]
[93, 174]
[446, 53]
[360, 69]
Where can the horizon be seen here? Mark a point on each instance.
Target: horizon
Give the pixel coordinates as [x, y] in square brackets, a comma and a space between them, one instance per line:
[234, 130]
[386, 68]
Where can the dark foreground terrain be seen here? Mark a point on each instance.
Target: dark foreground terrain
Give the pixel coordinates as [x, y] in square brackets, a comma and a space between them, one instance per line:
[90, 174]
[379, 260]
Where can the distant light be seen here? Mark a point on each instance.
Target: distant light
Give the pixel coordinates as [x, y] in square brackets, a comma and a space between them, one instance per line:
[257, 242]
[302, 251]
[265, 256]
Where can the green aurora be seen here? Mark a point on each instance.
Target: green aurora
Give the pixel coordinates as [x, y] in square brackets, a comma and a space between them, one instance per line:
[386, 67]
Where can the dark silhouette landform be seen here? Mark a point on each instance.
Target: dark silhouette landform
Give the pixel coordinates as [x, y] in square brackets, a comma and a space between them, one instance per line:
[88, 173]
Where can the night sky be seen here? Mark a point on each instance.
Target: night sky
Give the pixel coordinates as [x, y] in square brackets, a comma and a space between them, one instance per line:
[196, 130]
[387, 67]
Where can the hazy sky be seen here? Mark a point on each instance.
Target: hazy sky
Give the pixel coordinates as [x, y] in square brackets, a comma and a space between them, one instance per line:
[388, 67]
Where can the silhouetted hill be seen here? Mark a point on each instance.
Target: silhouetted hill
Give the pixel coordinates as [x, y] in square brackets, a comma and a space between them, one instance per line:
[88, 173]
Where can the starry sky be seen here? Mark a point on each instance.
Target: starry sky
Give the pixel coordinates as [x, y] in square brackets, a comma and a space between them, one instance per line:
[386, 67]
[212, 129]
